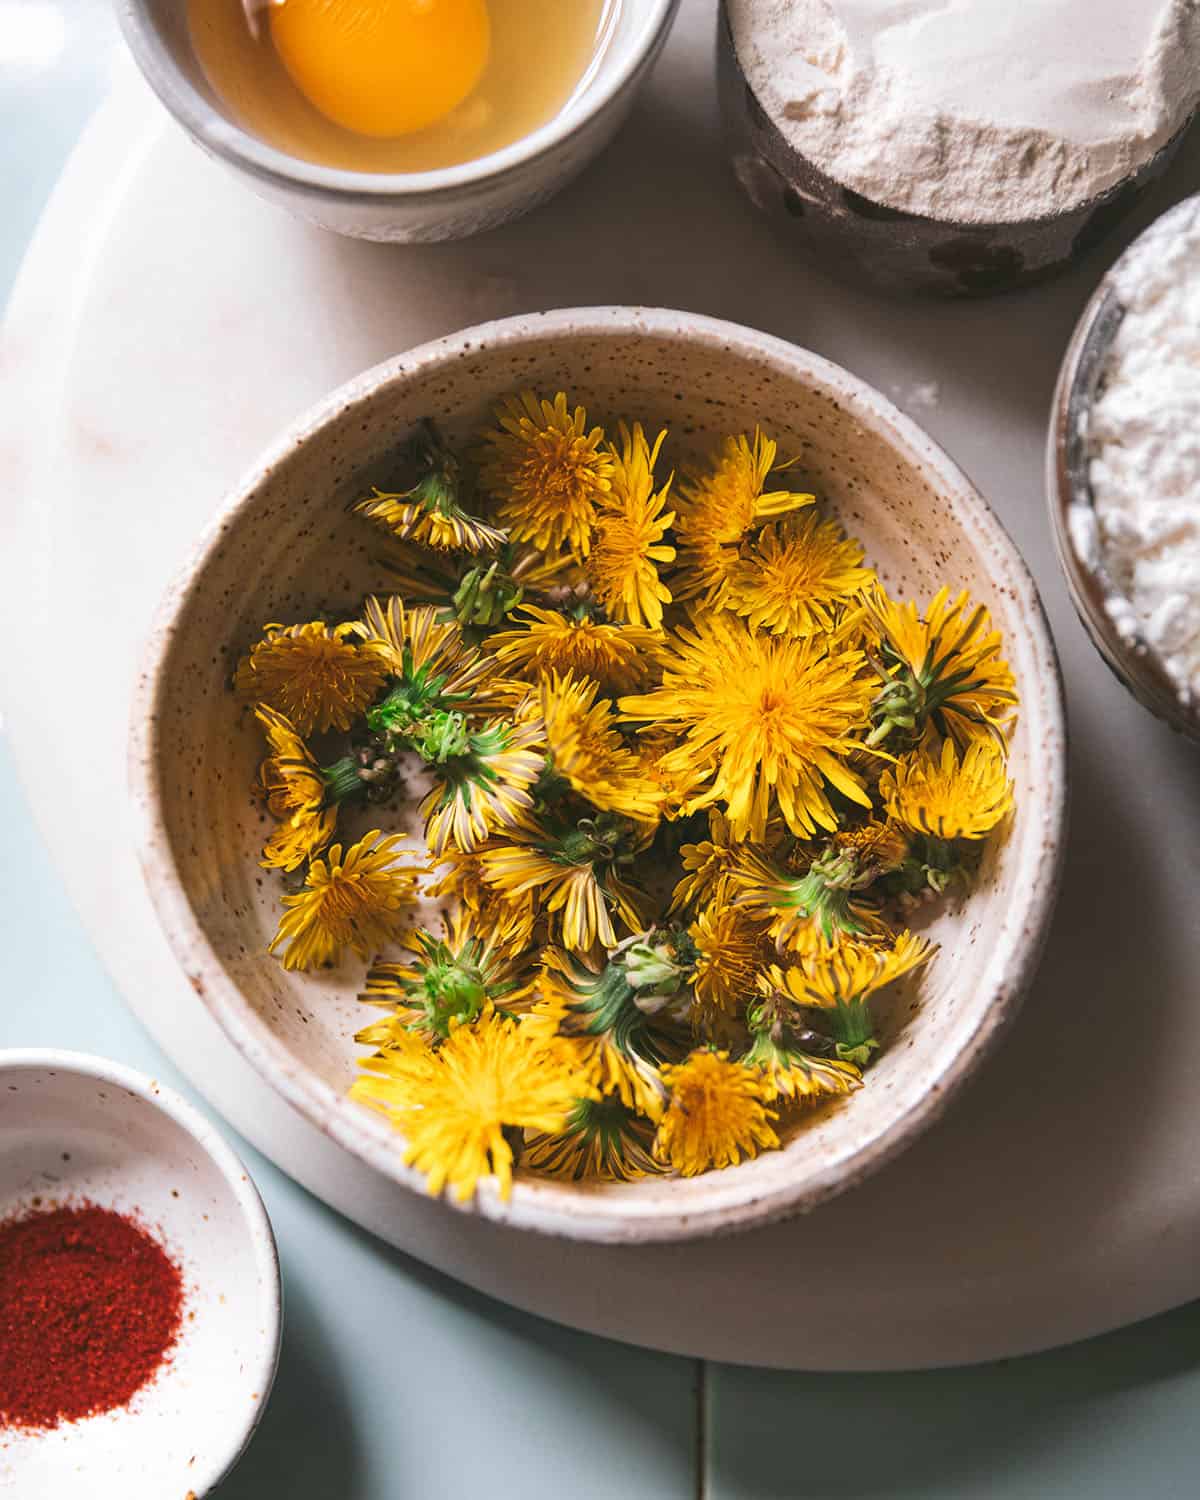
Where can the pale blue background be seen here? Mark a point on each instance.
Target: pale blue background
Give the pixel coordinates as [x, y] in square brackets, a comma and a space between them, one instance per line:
[397, 1384]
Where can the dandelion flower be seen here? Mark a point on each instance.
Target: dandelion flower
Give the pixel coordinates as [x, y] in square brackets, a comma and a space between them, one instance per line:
[573, 877]
[765, 717]
[813, 910]
[458, 1106]
[947, 796]
[729, 956]
[351, 900]
[708, 865]
[839, 986]
[295, 791]
[602, 1139]
[586, 749]
[719, 1112]
[627, 545]
[617, 656]
[445, 982]
[943, 665]
[505, 923]
[615, 1043]
[546, 470]
[718, 509]
[796, 575]
[313, 674]
[482, 778]
[795, 1075]
[433, 666]
[431, 513]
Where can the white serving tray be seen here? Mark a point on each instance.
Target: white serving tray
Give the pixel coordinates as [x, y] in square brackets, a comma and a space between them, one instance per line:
[167, 324]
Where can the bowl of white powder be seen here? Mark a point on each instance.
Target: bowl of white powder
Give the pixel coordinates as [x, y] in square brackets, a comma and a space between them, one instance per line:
[1123, 467]
[960, 147]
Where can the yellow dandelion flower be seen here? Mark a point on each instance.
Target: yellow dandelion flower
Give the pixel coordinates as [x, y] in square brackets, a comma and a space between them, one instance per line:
[942, 665]
[546, 470]
[443, 983]
[708, 865]
[548, 641]
[602, 1139]
[431, 513]
[839, 984]
[716, 510]
[719, 1112]
[574, 877]
[454, 1106]
[613, 1044]
[586, 749]
[730, 953]
[295, 792]
[482, 778]
[506, 923]
[819, 906]
[770, 719]
[796, 575]
[313, 675]
[627, 545]
[351, 900]
[949, 797]
[795, 1075]
[426, 653]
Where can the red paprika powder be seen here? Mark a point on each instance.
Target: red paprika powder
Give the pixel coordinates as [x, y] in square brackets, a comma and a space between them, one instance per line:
[90, 1306]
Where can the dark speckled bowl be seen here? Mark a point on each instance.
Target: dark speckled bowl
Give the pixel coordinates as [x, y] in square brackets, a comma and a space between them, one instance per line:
[893, 250]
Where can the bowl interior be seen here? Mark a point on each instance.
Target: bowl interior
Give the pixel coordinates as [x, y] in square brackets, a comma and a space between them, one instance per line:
[67, 1134]
[287, 550]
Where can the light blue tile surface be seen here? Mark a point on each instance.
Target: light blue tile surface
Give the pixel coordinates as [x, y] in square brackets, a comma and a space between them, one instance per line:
[1106, 1420]
[397, 1383]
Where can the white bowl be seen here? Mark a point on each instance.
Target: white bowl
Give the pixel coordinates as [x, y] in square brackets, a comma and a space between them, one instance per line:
[77, 1127]
[284, 544]
[447, 204]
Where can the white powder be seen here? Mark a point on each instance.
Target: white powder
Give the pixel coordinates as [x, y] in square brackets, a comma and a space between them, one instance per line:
[1144, 450]
[973, 110]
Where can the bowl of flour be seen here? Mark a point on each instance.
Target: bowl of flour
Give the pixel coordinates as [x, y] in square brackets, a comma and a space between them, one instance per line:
[955, 146]
[1123, 467]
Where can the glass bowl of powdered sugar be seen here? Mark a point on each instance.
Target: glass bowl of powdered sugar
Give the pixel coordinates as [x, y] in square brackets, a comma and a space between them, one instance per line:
[1123, 467]
[959, 147]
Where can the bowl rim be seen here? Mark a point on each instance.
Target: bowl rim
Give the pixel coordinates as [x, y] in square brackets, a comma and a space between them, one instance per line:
[1136, 664]
[535, 1204]
[264, 1363]
[244, 150]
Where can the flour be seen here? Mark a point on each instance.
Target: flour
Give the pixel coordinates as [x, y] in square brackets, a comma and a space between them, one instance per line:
[973, 110]
[1144, 451]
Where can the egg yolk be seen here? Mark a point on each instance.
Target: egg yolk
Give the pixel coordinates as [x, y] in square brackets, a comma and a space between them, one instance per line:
[382, 67]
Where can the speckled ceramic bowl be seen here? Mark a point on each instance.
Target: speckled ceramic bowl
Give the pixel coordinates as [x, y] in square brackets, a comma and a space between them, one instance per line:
[406, 207]
[284, 546]
[74, 1127]
[1133, 661]
[855, 237]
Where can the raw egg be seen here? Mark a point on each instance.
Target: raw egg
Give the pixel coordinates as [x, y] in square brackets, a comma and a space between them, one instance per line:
[383, 67]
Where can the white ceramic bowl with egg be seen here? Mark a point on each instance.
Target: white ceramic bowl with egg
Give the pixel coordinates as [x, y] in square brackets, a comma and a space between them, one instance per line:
[448, 203]
[73, 1128]
[284, 543]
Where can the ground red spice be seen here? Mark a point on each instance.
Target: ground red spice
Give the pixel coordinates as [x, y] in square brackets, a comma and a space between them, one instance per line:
[90, 1306]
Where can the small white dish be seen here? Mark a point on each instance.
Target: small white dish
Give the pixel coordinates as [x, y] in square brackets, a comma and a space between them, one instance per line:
[74, 1127]
[447, 204]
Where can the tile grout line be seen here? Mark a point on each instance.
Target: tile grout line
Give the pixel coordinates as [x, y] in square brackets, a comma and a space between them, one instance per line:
[701, 1449]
